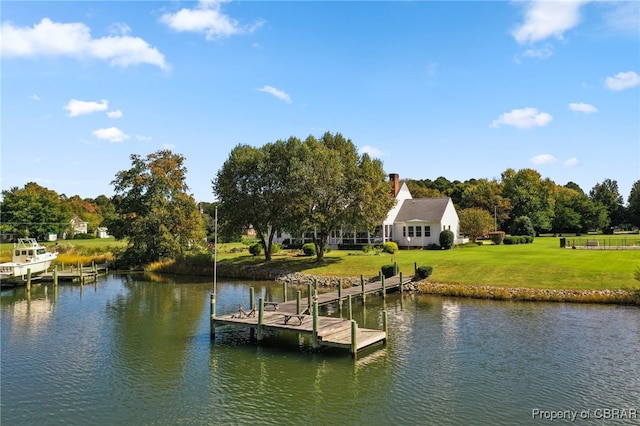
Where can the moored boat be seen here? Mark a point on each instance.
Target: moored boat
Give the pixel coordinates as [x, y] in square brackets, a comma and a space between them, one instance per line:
[28, 255]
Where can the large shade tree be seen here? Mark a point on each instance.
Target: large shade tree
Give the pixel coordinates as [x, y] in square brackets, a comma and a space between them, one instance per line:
[634, 204]
[154, 211]
[33, 211]
[475, 222]
[607, 194]
[530, 196]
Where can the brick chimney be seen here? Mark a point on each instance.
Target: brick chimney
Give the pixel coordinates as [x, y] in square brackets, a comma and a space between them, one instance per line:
[394, 178]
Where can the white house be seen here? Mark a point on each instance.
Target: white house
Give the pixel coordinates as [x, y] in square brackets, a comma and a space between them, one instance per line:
[412, 222]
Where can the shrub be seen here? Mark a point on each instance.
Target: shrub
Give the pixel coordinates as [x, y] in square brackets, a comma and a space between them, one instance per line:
[522, 226]
[367, 248]
[390, 247]
[528, 239]
[389, 270]
[275, 248]
[309, 249]
[446, 239]
[84, 237]
[255, 249]
[433, 246]
[497, 237]
[424, 271]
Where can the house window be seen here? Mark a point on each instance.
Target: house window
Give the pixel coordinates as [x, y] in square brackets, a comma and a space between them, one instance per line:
[427, 231]
[404, 231]
[418, 231]
[410, 231]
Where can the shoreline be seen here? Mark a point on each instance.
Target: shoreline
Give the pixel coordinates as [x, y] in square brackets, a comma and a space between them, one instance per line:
[619, 296]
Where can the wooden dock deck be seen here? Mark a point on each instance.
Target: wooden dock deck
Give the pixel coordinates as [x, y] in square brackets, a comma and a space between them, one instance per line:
[296, 317]
[75, 273]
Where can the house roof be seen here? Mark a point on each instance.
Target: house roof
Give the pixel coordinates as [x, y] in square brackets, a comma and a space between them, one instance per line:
[422, 209]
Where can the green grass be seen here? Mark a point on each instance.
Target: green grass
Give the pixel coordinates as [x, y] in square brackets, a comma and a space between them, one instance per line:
[542, 264]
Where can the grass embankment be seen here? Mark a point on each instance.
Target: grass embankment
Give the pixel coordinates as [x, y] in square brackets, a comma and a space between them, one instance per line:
[542, 264]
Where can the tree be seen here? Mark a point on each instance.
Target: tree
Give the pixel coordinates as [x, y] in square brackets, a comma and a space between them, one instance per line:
[522, 226]
[33, 211]
[487, 194]
[336, 187]
[154, 211]
[254, 187]
[530, 196]
[633, 207]
[475, 222]
[607, 194]
[567, 216]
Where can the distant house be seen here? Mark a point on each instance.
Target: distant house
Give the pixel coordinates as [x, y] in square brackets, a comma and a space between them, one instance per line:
[101, 232]
[78, 226]
[411, 223]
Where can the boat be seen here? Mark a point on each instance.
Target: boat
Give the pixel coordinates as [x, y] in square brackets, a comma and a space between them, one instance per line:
[28, 255]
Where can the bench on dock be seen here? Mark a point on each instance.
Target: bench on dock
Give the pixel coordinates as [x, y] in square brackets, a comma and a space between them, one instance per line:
[244, 314]
[299, 317]
[272, 305]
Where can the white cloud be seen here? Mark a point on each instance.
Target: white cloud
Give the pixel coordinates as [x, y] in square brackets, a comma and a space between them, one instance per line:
[143, 138]
[114, 114]
[111, 134]
[49, 38]
[76, 107]
[34, 97]
[622, 81]
[571, 162]
[207, 19]
[623, 16]
[582, 107]
[169, 146]
[541, 53]
[543, 159]
[372, 151]
[277, 93]
[544, 19]
[524, 118]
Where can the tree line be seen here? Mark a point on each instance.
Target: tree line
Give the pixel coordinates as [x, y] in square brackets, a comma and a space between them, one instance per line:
[316, 185]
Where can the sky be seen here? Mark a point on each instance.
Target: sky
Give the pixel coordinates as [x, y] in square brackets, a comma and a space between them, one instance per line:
[431, 88]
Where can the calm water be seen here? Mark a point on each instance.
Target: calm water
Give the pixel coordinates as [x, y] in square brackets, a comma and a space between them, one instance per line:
[130, 351]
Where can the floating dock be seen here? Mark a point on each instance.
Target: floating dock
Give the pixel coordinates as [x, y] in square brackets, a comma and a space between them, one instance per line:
[296, 316]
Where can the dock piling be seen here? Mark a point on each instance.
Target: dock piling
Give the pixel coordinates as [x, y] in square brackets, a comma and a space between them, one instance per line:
[354, 338]
[364, 295]
[350, 307]
[298, 302]
[252, 298]
[212, 322]
[284, 291]
[29, 280]
[55, 275]
[314, 336]
[260, 319]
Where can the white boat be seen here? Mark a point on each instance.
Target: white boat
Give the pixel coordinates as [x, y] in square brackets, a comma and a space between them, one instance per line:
[28, 254]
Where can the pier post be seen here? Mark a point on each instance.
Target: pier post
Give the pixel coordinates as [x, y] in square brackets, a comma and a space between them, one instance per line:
[362, 285]
[401, 284]
[314, 335]
[55, 275]
[354, 338]
[350, 307]
[385, 322]
[28, 279]
[298, 301]
[415, 268]
[340, 294]
[384, 290]
[260, 318]
[212, 321]
[252, 298]
[309, 297]
[284, 291]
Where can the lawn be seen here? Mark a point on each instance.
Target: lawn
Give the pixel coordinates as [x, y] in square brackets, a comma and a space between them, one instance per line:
[542, 264]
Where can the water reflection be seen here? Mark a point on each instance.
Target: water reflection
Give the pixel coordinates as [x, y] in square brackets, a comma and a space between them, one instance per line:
[130, 350]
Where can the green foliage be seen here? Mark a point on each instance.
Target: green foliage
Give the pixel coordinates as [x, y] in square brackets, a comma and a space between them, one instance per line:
[275, 248]
[424, 272]
[522, 226]
[633, 207]
[389, 270]
[518, 239]
[447, 239]
[497, 237]
[154, 211]
[255, 249]
[32, 211]
[390, 247]
[83, 236]
[433, 246]
[530, 196]
[475, 222]
[309, 249]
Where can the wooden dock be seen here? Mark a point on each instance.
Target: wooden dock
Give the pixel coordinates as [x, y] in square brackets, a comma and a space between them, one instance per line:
[296, 316]
[80, 273]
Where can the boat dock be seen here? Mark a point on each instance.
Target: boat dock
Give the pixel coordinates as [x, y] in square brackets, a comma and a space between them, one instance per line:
[303, 317]
[78, 272]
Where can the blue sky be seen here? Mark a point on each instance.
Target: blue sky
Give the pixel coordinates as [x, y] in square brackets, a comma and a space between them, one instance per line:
[455, 89]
